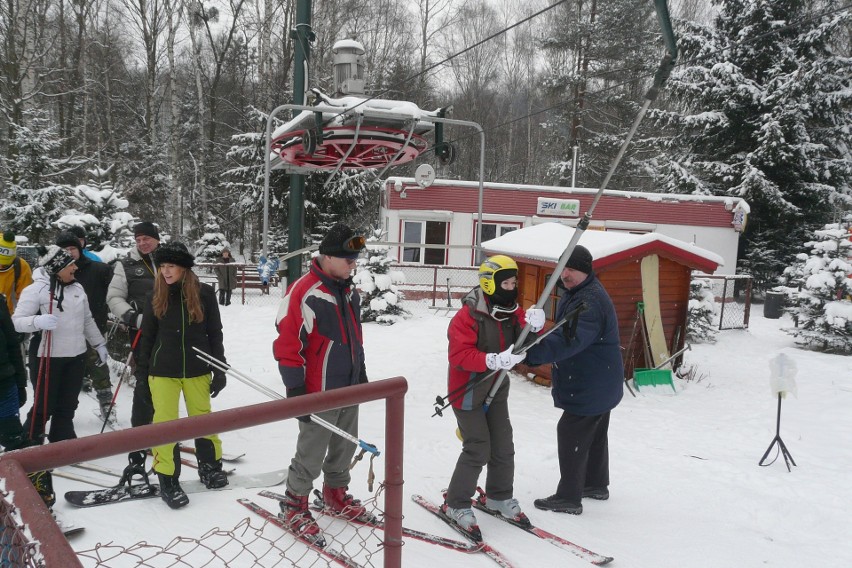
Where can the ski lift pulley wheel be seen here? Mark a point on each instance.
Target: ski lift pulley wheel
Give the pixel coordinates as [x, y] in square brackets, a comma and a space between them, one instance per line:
[446, 153]
[374, 147]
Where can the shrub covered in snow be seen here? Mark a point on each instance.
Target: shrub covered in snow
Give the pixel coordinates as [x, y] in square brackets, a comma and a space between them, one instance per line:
[380, 301]
[701, 327]
[820, 291]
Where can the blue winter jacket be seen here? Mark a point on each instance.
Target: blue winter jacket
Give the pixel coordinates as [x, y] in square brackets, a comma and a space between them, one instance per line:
[587, 369]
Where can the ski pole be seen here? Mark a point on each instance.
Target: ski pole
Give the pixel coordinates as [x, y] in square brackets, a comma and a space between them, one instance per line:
[443, 402]
[673, 357]
[215, 363]
[662, 73]
[121, 378]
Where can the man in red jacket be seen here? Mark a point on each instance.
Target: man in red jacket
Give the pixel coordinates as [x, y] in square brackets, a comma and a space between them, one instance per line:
[320, 347]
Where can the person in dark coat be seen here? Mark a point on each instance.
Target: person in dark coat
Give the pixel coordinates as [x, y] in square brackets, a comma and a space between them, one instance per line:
[95, 277]
[13, 383]
[180, 315]
[588, 377]
[132, 280]
[481, 340]
[226, 277]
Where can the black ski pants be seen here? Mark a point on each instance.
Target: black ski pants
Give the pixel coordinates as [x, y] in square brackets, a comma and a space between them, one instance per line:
[61, 379]
[224, 297]
[583, 447]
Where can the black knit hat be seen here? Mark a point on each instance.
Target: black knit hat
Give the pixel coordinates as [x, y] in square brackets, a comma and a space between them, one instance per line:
[68, 239]
[53, 259]
[146, 228]
[341, 241]
[581, 259]
[79, 232]
[174, 253]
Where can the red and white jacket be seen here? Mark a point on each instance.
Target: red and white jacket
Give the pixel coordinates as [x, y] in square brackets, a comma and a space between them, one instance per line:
[320, 344]
[473, 333]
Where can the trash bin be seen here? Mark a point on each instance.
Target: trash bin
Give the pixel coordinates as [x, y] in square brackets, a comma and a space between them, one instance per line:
[773, 305]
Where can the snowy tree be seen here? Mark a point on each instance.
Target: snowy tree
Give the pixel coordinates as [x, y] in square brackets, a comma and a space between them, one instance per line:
[595, 84]
[381, 298]
[760, 109]
[822, 308]
[701, 327]
[34, 195]
[99, 208]
[212, 242]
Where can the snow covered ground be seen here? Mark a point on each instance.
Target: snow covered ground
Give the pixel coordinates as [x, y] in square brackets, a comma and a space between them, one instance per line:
[686, 489]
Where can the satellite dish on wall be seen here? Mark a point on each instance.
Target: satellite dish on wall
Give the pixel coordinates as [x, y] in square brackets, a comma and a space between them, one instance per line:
[424, 175]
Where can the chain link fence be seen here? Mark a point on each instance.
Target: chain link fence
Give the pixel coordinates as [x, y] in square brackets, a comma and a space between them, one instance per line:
[733, 294]
[434, 287]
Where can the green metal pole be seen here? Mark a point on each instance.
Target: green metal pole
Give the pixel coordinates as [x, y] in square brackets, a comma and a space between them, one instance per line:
[302, 36]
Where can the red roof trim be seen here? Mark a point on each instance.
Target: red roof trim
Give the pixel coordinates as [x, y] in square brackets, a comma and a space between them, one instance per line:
[660, 248]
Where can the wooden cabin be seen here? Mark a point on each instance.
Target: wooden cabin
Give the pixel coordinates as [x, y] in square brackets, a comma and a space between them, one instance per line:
[650, 268]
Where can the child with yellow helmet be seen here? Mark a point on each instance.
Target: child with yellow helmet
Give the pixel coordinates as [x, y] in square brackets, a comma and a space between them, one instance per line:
[481, 340]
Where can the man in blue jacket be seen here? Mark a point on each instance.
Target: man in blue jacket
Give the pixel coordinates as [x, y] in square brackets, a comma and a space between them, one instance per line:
[588, 374]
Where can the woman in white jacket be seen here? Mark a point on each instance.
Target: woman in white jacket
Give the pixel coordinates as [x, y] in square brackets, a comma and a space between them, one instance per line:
[56, 305]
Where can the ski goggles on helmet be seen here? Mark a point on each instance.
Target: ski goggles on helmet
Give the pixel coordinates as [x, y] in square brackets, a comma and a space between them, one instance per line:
[354, 244]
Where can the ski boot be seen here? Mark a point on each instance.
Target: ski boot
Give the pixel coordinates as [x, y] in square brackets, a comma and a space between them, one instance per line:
[509, 509]
[294, 511]
[171, 492]
[43, 483]
[342, 504]
[465, 520]
[105, 403]
[211, 474]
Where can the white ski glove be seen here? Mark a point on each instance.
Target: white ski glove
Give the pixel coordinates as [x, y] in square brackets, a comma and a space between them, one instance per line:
[535, 319]
[503, 361]
[46, 322]
[103, 355]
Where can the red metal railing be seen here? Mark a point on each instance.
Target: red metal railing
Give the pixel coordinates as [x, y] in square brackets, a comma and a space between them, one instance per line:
[55, 548]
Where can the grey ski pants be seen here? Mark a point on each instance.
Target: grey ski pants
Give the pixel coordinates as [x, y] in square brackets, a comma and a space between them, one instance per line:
[320, 451]
[487, 441]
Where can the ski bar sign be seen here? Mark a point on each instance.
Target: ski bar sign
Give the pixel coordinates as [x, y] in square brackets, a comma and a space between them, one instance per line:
[560, 207]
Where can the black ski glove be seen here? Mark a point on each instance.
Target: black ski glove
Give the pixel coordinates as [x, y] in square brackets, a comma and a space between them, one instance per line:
[299, 391]
[22, 396]
[218, 383]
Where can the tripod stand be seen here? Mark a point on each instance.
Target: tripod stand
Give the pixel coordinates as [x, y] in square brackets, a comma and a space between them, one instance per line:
[788, 459]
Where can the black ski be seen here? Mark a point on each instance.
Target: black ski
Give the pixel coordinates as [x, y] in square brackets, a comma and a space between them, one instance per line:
[335, 555]
[372, 521]
[484, 548]
[576, 549]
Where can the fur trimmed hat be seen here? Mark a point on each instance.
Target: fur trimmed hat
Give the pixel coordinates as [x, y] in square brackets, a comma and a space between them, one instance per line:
[341, 241]
[581, 259]
[174, 253]
[8, 248]
[54, 259]
[146, 228]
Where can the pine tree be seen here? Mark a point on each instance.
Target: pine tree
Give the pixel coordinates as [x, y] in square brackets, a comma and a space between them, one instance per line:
[701, 327]
[822, 308]
[99, 206]
[34, 196]
[760, 110]
[381, 298]
[212, 242]
[596, 85]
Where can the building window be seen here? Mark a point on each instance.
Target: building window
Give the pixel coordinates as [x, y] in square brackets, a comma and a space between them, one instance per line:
[424, 233]
[492, 231]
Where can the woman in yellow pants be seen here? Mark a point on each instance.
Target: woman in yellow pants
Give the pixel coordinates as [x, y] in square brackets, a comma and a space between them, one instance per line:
[182, 314]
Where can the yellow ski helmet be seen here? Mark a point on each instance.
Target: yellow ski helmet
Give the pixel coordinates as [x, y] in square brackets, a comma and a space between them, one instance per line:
[489, 268]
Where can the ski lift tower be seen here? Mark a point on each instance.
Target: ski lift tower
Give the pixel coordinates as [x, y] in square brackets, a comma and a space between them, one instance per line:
[348, 131]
